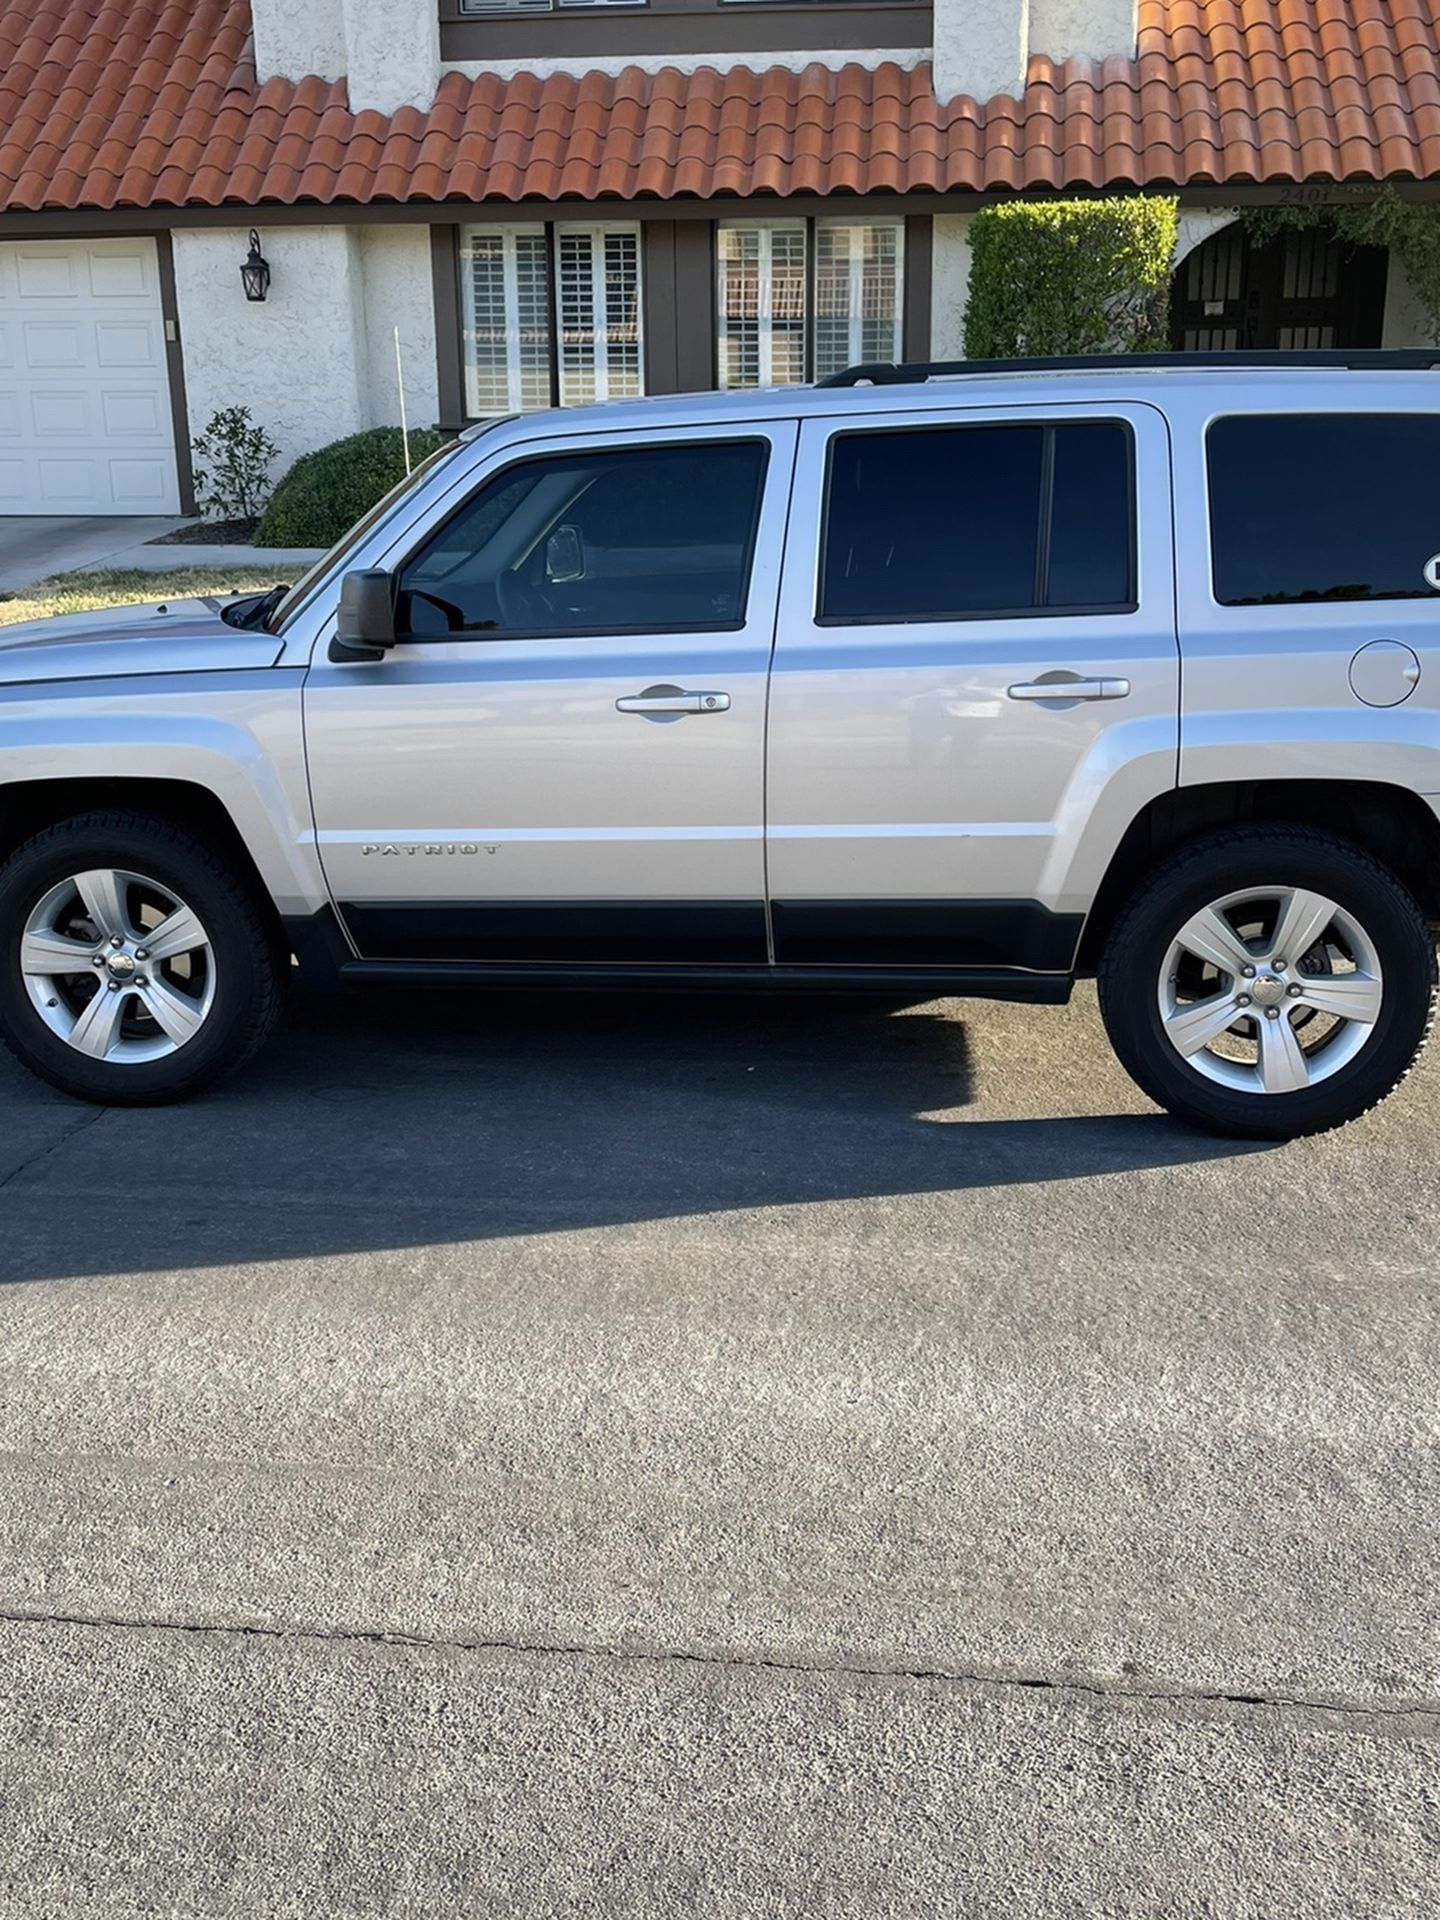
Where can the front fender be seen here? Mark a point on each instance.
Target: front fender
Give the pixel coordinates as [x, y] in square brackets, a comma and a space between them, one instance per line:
[236, 735]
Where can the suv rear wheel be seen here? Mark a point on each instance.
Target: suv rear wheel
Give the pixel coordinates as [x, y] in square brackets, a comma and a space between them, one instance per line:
[1269, 982]
[135, 966]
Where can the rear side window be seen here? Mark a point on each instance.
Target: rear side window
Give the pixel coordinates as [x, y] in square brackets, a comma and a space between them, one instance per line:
[1323, 506]
[965, 523]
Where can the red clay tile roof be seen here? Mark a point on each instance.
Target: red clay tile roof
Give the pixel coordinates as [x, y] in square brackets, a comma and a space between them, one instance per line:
[145, 103]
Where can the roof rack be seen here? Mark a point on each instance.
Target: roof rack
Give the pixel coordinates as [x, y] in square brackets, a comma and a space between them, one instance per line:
[891, 373]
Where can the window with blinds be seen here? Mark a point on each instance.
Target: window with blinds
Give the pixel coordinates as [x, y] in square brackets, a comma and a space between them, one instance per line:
[550, 315]
[778, 324]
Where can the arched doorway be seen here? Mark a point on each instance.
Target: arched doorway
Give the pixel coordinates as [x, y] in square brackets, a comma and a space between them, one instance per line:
[1302, 289]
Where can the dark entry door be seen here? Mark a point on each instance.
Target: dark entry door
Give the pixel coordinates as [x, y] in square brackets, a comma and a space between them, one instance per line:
[1302, 289]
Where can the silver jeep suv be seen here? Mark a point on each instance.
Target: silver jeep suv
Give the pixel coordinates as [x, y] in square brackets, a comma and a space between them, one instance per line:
[938, 681]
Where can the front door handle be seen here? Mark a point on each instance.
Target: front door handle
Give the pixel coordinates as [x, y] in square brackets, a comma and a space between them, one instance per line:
[672, 700]
[1070, 690]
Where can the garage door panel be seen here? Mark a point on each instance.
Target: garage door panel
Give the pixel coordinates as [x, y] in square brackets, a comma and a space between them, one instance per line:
[140, 486]
[46, 275]
[126, 343]
[124, 276]
[142, 415]
[85, 416]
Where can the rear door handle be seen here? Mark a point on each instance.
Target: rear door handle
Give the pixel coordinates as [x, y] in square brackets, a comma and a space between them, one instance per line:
[672, 700]
[1070, 690]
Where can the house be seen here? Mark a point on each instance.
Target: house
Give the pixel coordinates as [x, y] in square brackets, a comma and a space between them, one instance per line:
[554, 200]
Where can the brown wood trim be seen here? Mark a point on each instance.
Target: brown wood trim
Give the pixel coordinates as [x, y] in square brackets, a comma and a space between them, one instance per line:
[659, 321]
[683, 26]
[175, 372]
[695, 343]
[449, 349]
[919, 278]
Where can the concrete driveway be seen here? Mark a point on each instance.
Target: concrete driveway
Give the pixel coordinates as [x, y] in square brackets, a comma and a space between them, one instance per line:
[591, 1457]
[33, 547]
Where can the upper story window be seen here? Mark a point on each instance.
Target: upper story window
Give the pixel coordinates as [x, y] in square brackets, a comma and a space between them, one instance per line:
[798, 299]
[551, 315]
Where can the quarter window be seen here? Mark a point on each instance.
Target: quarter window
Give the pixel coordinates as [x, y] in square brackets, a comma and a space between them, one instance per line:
[649, 540]
[552, 316]
[956, 523]
[1315, 506]
[799, 300]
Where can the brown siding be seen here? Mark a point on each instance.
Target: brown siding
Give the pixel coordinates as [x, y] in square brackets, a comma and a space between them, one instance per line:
[449, 363]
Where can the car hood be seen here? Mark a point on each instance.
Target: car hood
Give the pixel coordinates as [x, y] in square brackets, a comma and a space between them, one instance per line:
[166, 636]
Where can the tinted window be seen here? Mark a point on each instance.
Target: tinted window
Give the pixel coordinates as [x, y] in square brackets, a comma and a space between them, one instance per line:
[935, 523]
[1323, 506]
[654, 540]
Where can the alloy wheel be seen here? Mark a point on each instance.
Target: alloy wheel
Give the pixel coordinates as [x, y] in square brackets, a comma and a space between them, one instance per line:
[118, 966]
[1270, 990]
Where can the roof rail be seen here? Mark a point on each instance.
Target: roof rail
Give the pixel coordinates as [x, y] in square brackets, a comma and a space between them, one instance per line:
[891, 373]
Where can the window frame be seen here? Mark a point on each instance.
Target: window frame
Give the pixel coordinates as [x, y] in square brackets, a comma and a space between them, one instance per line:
[574, 450]
[1288, 608]
[1048, 425]
[551, 231]
[809, 224]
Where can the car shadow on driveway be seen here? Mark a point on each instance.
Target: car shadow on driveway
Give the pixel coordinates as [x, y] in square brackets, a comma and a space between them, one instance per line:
[383, 1122]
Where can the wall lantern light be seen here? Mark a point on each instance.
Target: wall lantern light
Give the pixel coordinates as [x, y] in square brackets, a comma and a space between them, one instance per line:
[256, 271]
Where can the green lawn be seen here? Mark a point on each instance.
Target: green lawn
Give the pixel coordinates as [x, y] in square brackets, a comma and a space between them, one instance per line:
[82, 592]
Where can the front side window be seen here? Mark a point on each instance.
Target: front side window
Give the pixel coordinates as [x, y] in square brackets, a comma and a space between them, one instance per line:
[551, 316]
[961, 523]
[800, 299]
[644, 540]
[1316, 506]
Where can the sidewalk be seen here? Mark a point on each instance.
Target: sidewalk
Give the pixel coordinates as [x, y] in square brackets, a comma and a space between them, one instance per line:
[35, 547]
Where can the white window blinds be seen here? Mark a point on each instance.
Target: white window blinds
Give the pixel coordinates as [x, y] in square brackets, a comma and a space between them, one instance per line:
[599, 310]
[762, 305]
[857, 295]
[775, 329]
[516, 357]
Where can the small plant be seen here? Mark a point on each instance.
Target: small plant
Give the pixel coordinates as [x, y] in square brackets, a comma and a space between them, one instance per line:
[232, 466]
[1070, 276]
[325, 492]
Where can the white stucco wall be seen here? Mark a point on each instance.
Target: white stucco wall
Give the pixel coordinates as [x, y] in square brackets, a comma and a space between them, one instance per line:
[949, 283]
[981, 47]
[396, 283]
[1406, 323]
[1096, 28]
[296, 37]
[295, 359]
[392, 53]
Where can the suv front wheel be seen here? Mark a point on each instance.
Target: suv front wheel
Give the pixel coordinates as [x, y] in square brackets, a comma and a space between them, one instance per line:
[135, 966]
[1269, 982]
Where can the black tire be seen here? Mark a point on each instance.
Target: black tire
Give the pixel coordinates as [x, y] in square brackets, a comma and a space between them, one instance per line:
[1226, 863]
[251, 968]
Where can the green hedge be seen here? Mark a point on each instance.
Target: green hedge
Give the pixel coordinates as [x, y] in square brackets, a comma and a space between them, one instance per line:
[1070, 276]
[325, 492]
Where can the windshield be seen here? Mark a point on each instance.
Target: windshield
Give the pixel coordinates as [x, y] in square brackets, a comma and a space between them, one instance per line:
[279, 616]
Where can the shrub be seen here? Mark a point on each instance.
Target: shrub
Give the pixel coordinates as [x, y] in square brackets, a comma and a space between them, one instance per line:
[1070, 276]
[325, 492]
[232, 466]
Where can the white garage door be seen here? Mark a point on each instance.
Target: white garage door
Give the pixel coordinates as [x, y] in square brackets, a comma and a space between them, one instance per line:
[85, 423]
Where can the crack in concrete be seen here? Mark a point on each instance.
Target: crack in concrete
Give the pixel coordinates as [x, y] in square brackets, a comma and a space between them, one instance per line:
[85, 1121]
[1425, 1712]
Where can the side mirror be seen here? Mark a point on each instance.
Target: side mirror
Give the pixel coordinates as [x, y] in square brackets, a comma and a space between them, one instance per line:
[564, 556]
[365, 622]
